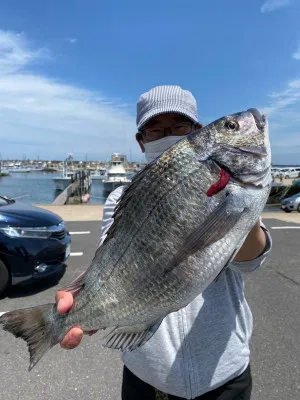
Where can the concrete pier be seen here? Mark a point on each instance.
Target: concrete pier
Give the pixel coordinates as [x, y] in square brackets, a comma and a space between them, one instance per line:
[80, 212]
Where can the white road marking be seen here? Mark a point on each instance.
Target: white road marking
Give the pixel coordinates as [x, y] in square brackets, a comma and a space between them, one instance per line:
[285, 227]
[80, 233]
[78, 254]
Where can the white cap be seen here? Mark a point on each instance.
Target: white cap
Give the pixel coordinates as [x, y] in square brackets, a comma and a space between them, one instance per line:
[165, 99]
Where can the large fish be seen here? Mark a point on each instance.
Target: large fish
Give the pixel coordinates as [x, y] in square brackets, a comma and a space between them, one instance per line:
[177, 226]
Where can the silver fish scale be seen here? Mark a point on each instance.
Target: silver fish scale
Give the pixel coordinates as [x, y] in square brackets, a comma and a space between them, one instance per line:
[170, 294]
[137, 282]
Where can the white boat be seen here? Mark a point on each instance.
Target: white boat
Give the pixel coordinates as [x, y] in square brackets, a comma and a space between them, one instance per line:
[64, 180]
[4, 172]
[20, 170]
[61, 183]
[99, 174]
[116, 176]
[37, 169]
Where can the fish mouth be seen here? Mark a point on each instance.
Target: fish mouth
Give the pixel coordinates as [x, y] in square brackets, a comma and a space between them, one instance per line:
[260, 119]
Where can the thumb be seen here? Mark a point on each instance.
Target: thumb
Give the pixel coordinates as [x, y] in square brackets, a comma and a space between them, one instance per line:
[64, 302]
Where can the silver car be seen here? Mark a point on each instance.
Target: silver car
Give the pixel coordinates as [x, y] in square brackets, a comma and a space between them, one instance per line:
[291, 203]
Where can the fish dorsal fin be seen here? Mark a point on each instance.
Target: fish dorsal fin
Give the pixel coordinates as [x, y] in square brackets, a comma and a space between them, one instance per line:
[131, 337]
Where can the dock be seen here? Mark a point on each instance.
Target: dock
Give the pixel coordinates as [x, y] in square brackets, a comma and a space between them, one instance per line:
[80, 185]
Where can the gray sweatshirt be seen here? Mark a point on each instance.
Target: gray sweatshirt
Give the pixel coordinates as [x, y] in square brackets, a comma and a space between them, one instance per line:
[203, 345]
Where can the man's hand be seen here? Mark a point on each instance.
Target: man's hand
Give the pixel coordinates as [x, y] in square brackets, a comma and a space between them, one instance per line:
[64, 301]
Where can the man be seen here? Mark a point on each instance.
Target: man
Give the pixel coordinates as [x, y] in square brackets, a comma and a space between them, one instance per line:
[201, 351]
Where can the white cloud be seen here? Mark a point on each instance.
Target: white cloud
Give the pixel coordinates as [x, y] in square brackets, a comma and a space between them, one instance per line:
[15, 52]
[272, 5]
[51, 118]
[283, 112]
[280, 101]
[296, 55]
[71, 40]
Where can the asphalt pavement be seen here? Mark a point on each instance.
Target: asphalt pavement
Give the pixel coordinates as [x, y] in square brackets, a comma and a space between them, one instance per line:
[91, 372]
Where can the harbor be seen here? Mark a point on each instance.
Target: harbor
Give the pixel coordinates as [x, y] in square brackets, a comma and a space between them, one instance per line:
[65, 182]
[39, 188]
[69, 165]
[77, 182]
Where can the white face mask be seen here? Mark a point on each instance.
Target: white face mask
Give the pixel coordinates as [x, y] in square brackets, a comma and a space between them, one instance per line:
[157, 147]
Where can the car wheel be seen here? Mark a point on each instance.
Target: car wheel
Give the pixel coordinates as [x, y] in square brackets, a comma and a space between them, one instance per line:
[287, 177]
[4, 277]
[287, 211]
[298, 208]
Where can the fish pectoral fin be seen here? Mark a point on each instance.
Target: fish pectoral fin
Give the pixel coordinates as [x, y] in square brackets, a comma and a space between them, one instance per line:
[131, 337]
[218, 223]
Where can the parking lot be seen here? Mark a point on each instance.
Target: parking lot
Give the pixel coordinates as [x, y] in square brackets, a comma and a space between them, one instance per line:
[91, 372]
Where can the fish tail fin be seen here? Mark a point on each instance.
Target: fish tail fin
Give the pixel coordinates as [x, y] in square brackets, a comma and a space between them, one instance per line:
[32, 325]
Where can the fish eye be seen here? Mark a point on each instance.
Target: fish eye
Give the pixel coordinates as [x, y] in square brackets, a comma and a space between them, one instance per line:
[232, 125]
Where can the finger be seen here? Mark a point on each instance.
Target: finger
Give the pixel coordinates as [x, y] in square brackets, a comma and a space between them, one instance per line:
[64, 301]
[72, 339]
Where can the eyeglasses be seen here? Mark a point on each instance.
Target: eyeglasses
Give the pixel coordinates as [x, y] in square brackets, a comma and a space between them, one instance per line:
[179, 129]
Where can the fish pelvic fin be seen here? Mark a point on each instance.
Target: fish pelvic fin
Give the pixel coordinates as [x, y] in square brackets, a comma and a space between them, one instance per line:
[131, 337]
[31, 325]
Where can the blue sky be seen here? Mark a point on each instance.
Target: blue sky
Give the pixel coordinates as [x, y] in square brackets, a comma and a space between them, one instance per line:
[71, 71]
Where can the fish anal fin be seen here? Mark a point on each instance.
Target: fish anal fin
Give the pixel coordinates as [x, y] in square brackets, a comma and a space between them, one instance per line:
[130, 337]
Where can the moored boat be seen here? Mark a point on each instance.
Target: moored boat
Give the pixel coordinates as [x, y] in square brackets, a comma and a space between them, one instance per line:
[116, 175]
[64, 180]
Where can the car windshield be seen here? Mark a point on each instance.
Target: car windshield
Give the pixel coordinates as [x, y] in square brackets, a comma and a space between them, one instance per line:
[4, 201]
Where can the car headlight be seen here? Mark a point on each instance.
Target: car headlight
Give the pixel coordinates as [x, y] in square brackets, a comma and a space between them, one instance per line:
[35, 233]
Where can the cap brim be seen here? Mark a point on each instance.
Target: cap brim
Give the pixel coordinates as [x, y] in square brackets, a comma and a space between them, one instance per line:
[154, 112]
